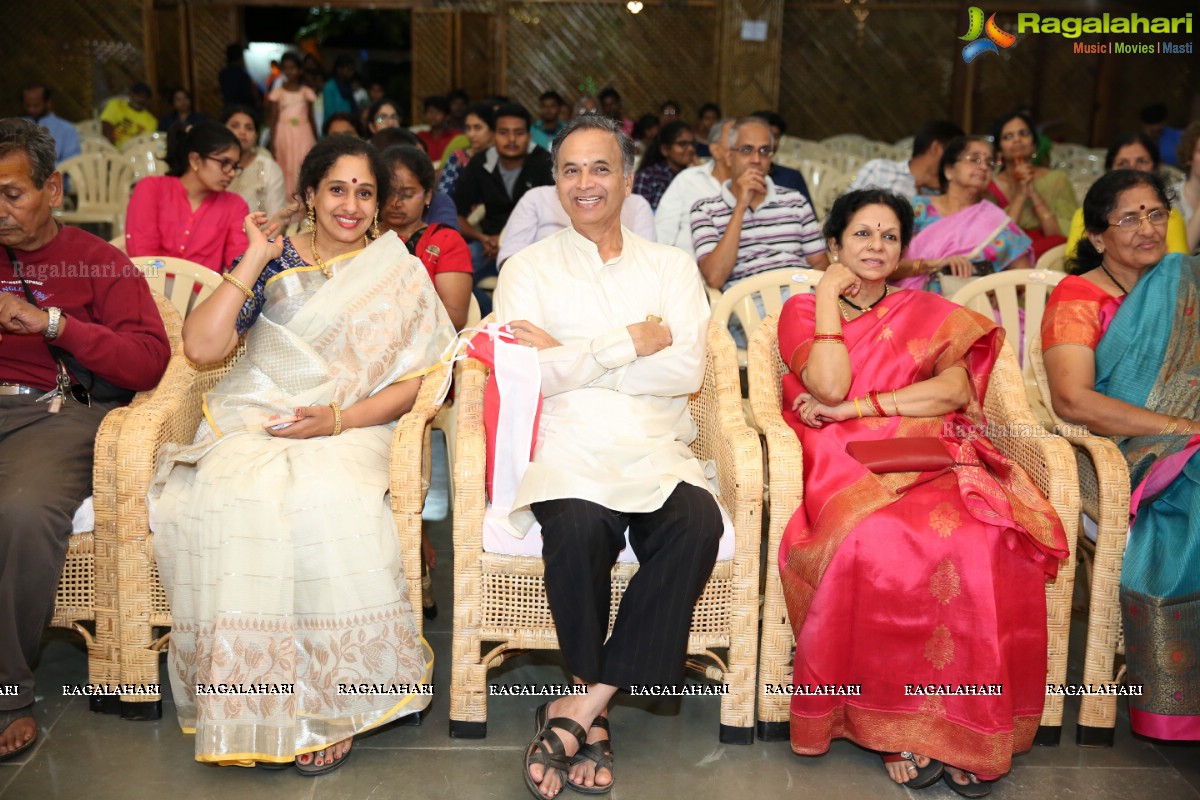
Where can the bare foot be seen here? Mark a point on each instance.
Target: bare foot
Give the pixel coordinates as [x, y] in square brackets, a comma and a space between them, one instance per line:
[903, 771]
[329, 755]
[584, 773]
[19, 732]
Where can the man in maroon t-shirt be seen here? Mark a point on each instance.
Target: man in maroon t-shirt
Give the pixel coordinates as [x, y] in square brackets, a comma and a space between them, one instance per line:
[68, 289]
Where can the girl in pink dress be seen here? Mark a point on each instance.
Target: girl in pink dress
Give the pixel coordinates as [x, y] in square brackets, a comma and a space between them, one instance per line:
[290, 116]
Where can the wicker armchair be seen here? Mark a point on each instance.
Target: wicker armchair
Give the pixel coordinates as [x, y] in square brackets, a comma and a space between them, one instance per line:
[501, 598]
[1045, 457]
[87, 590]
[1104, 492]
[172, 417]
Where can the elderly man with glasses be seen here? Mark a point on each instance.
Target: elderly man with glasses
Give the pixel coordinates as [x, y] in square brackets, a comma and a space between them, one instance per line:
[753, 225]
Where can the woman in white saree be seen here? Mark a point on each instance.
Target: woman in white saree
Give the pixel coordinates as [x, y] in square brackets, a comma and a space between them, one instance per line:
[274, 538]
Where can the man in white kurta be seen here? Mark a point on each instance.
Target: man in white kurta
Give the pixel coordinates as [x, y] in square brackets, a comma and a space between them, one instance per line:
[620, 326]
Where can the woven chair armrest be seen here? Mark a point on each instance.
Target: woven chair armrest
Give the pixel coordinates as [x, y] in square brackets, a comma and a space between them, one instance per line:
[1103, 481]
[104, 472]
[785, 476]
[725, 438]
[470, 452]
[408, 482]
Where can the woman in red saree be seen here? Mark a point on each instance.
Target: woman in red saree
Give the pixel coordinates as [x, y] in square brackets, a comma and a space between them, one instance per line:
[922, 592]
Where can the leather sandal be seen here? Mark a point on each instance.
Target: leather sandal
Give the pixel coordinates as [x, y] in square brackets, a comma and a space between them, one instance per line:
[925, 776]
[599, 753]
[8, 718]
[547, 747]
[310, 770]
[972, 789]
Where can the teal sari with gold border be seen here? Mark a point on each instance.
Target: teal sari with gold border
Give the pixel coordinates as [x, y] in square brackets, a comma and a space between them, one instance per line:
[1150, 357]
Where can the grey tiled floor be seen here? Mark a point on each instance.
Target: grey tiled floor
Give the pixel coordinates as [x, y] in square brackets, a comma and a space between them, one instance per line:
[664, 749]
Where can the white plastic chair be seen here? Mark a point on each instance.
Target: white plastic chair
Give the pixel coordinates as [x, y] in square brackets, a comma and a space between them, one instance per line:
[852, 144]
[757, 297]
[147, 152]
[999, 292]
[831, 186]
[176, 279]
[89, 127]
[96, 144]
[1053, 258]
[156, 141]
[101, 183]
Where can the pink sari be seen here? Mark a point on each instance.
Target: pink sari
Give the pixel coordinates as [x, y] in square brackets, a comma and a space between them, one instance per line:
[941, 585]
[981, 232]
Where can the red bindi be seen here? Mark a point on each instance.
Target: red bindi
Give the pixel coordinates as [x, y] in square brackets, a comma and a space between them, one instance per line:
[1142, 208]
[354, 180]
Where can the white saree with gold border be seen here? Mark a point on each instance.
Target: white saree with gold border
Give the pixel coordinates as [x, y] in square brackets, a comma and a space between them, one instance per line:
[280, 556]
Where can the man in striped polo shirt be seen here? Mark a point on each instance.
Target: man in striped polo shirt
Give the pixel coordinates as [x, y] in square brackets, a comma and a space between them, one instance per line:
[753, 225]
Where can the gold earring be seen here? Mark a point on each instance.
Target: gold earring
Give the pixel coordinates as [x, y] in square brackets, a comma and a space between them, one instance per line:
[375, 225]
[312, 219]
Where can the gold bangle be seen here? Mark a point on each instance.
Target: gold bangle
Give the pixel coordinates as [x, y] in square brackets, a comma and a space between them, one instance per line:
[337, 419]
[856, 408]
[920, 262]
[228, 276]
[1169, 428]
[896, 403]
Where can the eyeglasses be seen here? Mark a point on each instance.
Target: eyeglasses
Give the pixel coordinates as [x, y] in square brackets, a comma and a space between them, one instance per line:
[747, 150]
[228, 167]
[978, 159]
[1131, 222]
[387, 118]
[1139, 163]
[684, 143]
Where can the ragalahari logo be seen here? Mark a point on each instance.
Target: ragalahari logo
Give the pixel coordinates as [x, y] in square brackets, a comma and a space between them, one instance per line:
[996, 40]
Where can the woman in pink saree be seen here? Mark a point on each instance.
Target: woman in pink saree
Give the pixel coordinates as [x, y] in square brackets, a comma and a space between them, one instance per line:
[921, 592]
[957, 231]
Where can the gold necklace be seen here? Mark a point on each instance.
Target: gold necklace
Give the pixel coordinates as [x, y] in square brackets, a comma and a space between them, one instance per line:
[312, 243]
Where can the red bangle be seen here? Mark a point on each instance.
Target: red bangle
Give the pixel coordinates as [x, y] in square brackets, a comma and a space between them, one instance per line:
[873, 396]
[829, 337]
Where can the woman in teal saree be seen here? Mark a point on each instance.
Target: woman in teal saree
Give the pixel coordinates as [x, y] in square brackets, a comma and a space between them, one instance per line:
[1122, 343]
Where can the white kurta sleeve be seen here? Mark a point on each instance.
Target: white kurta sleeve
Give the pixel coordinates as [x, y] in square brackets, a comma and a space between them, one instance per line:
[568, 366]
[678, 369]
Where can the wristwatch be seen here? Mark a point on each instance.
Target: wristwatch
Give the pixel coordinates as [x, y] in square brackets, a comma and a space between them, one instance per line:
[51, 332]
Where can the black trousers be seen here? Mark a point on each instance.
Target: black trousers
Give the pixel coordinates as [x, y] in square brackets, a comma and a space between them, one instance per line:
[676, 547]
[45, 473]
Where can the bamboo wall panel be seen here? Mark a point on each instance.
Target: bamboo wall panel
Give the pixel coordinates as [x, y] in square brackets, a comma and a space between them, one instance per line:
[168, 22]
[85, 51]
[749, 70]
[884, 86]
[476, 71]
[1017, 77]
[1141, 80]
[659, 54]
[213, 28]
[432, 56]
